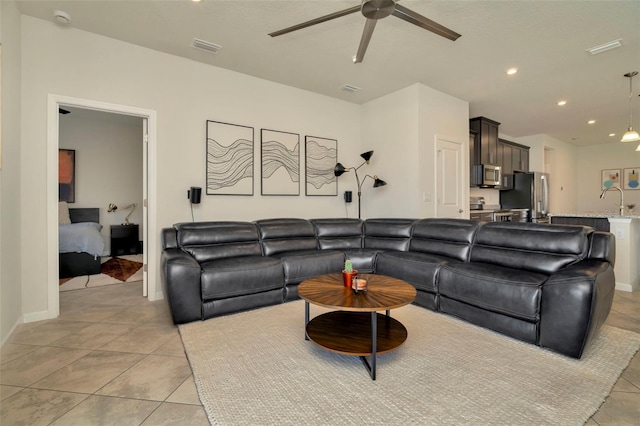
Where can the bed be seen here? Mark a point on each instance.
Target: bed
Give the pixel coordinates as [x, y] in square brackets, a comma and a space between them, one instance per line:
[80, 243]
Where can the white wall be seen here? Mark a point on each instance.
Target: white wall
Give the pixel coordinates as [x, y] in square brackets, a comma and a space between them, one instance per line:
[402, 128]
[108, 156]
[10, 190]
[390, 127]
[590, 163]
[69, 62]
[559, 159]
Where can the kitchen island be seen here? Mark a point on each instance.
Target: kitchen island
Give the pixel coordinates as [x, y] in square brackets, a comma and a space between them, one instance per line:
[626, 228]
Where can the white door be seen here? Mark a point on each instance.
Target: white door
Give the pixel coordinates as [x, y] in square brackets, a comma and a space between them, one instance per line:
[449, 178]
[145, 207]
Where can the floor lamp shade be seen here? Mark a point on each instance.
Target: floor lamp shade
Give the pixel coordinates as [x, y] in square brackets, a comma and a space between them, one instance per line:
[194, 194]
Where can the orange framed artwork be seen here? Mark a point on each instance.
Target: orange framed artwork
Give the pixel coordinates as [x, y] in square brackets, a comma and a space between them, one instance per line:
[67, 175]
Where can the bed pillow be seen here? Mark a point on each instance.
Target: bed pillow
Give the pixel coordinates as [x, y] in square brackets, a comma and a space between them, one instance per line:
[63, 213]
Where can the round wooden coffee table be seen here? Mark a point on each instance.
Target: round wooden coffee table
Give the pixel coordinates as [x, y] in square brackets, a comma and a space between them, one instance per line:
[356, 328]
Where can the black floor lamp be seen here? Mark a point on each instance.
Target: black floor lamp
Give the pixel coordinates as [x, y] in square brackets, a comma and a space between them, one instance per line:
[339, 169]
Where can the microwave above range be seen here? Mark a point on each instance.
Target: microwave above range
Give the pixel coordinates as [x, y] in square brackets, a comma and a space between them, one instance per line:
[486, 175]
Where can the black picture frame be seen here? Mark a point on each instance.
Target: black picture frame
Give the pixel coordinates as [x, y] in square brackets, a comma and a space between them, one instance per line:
[280, 162]
[321, 156]
[230, 157]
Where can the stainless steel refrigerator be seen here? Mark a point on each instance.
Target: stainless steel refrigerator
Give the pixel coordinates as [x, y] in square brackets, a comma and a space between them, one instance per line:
[530, 191]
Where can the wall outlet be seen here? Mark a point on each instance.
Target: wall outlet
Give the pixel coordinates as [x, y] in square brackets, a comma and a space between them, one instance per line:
[426, 197]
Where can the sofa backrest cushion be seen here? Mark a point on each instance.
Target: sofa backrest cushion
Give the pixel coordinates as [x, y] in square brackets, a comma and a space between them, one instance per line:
[445, 237]
[339, 234]
[388, 234]
[603, 247]
[217, 240]
[286, 235]
[531, 246]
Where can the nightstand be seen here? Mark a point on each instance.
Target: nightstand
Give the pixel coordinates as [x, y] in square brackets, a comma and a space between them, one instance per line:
[124, 239]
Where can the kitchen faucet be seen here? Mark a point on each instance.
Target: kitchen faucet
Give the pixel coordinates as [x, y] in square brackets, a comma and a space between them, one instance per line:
[621, 197]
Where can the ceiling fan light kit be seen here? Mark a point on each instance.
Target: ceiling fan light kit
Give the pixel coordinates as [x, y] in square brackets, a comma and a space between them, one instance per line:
[374, 10]
[630, 135]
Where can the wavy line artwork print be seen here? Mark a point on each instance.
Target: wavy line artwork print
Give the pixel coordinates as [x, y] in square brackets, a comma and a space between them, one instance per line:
[228, 165]
[276, 155]
[280, 163]
[320, 163]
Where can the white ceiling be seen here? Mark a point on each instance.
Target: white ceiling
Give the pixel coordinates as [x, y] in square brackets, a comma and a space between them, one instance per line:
[546, 40]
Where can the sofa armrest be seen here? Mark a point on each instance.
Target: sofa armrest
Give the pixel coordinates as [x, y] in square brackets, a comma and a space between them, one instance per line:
[575, 303]
[181, 276]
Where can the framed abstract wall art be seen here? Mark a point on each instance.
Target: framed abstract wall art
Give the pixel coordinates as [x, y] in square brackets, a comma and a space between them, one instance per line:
[280, 162]
[229, 159]
[67, 175]
[321, 156]
[610, 177]
[630, 178]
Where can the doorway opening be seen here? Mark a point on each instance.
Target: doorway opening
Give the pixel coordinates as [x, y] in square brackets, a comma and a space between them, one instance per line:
[148, 203]
[100, 181]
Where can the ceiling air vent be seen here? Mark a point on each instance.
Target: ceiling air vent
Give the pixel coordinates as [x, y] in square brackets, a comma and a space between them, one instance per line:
[205, 45]
[349, 88]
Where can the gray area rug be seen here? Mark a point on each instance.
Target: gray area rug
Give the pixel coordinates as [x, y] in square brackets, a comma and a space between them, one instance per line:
[255, 368]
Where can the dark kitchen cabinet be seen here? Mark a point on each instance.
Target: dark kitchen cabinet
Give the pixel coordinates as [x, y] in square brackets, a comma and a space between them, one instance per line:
[472, 144]
[520, 158]
[512, 157]
[486, 140]
[505, 160]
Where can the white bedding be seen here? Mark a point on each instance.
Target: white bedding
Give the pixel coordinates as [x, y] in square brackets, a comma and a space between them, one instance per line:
[81, 237]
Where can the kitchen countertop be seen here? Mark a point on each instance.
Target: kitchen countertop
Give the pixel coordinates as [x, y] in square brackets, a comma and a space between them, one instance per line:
[633, 214]
[491, 210]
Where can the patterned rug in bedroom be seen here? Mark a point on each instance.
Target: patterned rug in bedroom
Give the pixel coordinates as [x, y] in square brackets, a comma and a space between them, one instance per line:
[114, 270]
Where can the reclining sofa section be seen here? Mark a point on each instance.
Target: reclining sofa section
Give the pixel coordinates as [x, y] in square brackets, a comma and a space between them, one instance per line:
[548, 285]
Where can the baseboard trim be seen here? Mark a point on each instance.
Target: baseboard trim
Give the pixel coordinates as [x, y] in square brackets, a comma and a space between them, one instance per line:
[18, 322]
[626, 287]
[38, 316]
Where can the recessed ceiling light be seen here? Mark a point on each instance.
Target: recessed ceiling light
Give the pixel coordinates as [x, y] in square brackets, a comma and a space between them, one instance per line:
[591, 121]
[604, 47]
[512, 71]
[562, 103]
[612, 135]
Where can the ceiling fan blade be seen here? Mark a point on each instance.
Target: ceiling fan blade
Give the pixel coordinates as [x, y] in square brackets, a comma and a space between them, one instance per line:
[423, 22]
[369, 26]
[325, 18]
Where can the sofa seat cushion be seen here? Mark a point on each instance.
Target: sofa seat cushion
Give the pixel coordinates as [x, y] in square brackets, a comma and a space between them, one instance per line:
[238, 276]
[418, 269]
[508, 291]
[303, 264]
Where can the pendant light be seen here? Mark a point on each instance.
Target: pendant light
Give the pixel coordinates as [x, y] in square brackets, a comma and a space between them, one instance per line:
[630, 135]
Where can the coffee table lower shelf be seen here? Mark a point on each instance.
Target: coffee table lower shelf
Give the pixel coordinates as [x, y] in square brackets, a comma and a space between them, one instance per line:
[357, 334]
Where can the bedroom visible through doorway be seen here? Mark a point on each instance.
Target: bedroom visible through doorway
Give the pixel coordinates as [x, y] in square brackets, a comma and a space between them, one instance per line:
[107, 183]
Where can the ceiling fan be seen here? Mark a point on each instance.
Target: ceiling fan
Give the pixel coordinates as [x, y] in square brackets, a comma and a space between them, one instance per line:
[374, 10]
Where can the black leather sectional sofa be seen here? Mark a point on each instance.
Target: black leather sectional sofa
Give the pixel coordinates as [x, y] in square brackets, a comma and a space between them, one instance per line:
[548, 285]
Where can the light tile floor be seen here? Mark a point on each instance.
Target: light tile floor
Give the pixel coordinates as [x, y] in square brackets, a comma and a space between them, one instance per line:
[114, 358]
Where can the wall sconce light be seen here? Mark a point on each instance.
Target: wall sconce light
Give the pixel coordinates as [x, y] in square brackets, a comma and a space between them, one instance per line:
[194, 194]
[339, 169]
[113, 208]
